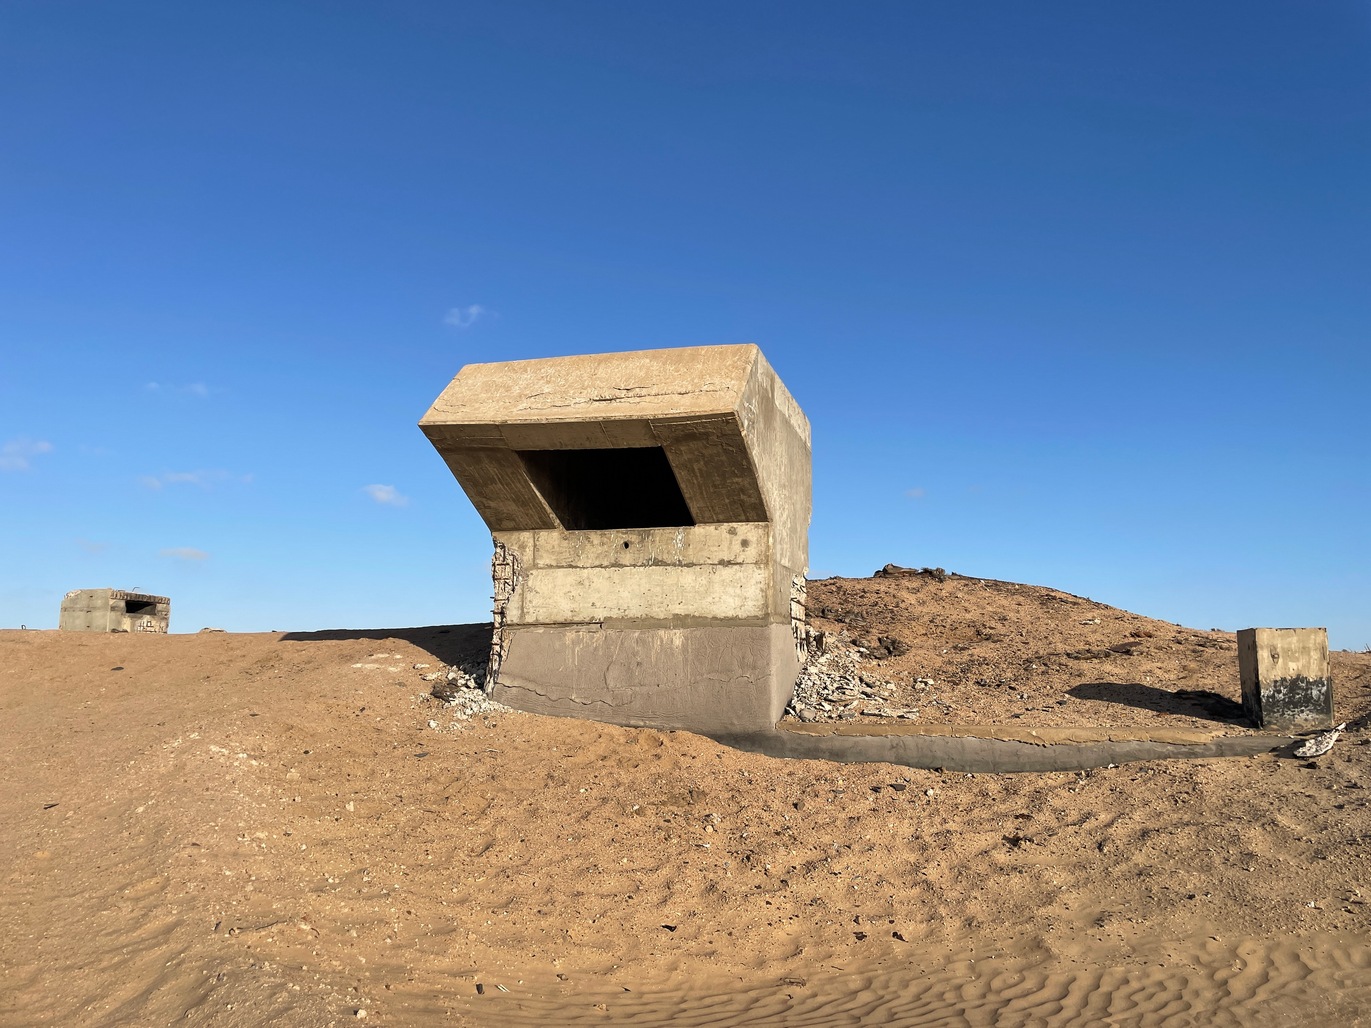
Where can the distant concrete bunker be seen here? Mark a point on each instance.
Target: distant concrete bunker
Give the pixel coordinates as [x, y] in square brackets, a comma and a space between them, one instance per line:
[114, 610]
[650, 513]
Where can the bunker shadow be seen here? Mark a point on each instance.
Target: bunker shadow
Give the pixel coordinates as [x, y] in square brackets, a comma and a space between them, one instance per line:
[453, 645]
[1196, 703]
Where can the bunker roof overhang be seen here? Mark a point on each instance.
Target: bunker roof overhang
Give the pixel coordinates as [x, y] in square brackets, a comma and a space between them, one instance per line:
[600, 441]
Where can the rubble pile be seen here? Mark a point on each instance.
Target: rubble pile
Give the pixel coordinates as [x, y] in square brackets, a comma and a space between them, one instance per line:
[834, 686]
[461, 688]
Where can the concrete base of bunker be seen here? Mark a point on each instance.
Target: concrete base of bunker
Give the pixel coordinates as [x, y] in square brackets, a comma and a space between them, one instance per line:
[706, 679]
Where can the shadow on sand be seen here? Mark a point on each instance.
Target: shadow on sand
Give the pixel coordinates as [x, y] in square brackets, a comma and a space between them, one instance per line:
[453, 645]
[1197, 703]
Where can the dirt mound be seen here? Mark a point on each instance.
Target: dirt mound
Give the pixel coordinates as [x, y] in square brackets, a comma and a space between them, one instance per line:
[959, 650]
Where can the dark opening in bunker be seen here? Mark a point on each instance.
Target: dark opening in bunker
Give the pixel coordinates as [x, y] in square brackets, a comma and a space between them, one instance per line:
[138, 608]
[608, 489]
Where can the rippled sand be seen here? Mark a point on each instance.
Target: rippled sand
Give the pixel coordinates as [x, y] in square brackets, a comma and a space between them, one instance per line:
[241, 830]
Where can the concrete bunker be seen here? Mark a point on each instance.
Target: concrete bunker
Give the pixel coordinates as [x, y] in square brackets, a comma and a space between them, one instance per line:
[114, 610]
[650, 513]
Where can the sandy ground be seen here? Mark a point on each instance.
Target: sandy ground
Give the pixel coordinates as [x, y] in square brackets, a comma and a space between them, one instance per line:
[249, 829]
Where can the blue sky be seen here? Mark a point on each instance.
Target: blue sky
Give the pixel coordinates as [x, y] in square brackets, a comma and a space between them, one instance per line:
[1073, 293]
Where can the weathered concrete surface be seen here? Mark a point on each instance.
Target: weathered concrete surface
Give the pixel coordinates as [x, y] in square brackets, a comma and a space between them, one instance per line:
[114, 610]
[707, 678]
[1287, 683]
[651, 514]
[986, 754]
[733, 436]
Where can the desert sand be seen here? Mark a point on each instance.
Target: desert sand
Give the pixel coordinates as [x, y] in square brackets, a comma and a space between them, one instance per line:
[233, 830]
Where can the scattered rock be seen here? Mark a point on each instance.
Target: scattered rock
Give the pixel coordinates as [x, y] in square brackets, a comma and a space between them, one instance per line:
[894, 570]
[1090, 654]
[890, 646]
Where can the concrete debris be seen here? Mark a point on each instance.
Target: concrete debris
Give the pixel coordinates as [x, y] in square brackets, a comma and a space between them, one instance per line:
[464, 704]
[462, 690]
[1321, 743]
[452, 680]
[834, 685]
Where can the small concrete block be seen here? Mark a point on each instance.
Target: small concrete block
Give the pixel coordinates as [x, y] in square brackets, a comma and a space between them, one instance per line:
[1286, 681]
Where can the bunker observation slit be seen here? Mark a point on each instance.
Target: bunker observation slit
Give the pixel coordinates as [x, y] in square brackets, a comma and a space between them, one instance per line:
[592, 490]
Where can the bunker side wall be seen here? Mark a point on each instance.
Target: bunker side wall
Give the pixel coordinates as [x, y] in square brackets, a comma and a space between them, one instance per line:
[86, 610]
[778, 438]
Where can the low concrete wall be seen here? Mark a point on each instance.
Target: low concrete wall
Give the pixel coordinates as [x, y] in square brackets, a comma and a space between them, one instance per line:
[988, 755]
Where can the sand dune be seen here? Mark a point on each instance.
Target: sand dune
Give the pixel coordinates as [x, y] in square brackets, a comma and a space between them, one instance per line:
[244, 829]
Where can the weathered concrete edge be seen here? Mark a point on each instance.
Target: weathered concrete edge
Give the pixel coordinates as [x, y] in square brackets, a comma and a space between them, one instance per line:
[993, 756]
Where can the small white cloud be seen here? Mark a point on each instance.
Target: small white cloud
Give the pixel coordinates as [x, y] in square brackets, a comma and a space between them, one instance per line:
[203, 479]
[386, 494]
[186, 553]
[190, 388]
[465, 317]
[16, 454]
[916, 493]
[92, 547]
[200, 478]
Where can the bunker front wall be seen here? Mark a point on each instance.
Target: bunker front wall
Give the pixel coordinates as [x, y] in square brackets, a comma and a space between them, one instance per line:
[663, 627]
